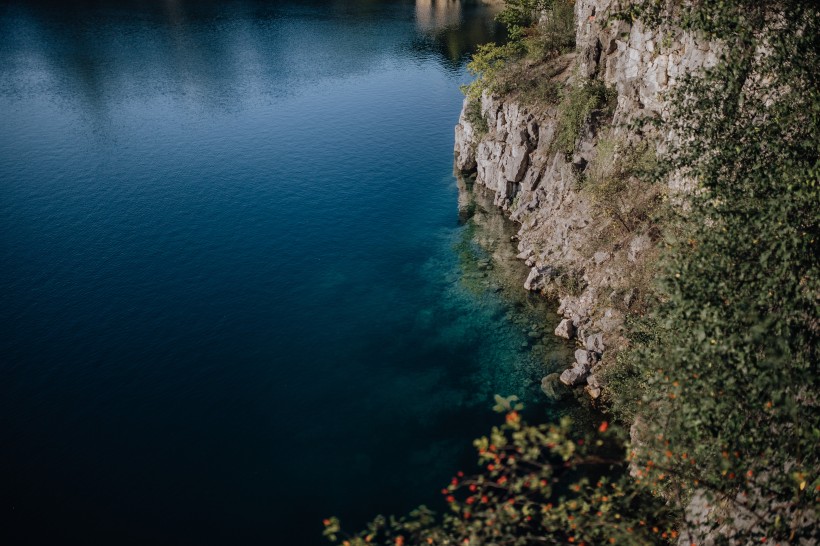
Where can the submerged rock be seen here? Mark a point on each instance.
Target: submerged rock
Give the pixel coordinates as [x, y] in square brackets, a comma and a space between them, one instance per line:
[549, 385]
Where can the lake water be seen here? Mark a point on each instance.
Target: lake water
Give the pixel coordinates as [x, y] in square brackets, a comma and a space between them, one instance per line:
[235, 293]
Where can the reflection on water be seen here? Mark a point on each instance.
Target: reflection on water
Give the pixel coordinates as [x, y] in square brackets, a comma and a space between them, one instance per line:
[452, 30]
[219, 52]
[437, 14]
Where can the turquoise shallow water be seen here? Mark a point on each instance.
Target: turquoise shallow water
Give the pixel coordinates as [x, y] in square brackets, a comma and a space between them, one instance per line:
[235, 294]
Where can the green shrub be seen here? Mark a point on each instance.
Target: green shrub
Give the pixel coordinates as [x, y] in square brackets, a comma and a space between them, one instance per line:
[554, 36]
[476, 118]
[486, 64]
[731, 377]
[571, 282]
[520, 14]
[523, 63]
[578, 102]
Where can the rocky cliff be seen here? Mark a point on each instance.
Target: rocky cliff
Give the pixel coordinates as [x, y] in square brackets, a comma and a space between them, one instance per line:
[588, 248]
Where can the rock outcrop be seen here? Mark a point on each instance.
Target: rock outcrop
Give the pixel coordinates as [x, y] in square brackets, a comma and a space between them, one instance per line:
[596, 279]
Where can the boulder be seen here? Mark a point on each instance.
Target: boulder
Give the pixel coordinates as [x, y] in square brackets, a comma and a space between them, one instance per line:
[548, 385]
[593, 392]
[565, 329]
[574, 376]
[595, 343]
[592, 381]
[601, 256]
[587, 358]
[538, 279]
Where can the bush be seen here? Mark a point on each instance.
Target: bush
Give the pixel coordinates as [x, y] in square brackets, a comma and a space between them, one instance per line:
[577, 104]
[555, 35]
[502, 69]
[486, 65]
[476, 118]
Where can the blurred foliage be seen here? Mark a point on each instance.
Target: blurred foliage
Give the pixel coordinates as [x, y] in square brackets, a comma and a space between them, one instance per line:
[538, 484]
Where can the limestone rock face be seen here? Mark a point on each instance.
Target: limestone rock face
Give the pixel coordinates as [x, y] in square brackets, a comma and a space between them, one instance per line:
[465, 138]
[539, 188]
[538, 279]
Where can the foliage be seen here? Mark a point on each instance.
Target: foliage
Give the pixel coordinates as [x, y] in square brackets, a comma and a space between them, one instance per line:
[486, 65]
[518, 15]
[539, 484]
[577, 105]
[626, 378]
[476, 118]
[570, 281]
[730, 374]
[501, 68]
[553, 35]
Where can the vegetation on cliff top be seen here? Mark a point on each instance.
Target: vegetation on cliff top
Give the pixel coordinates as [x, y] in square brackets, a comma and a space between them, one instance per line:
[526, 63]
[721, 380]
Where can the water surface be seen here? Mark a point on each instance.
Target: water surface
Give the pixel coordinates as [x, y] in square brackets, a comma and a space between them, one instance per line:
[235, 294]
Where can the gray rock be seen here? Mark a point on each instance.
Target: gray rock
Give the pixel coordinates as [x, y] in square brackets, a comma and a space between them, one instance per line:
[595, 343]
[574, 376]
[538, 279]
[593, 392]
[592, 381]
[565, 329]
[549, 384]
[637, 246]
[601, 256]
[582, 358]
[630, 297]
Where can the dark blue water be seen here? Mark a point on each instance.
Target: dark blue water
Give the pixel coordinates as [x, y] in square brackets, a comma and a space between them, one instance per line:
[235, 295]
